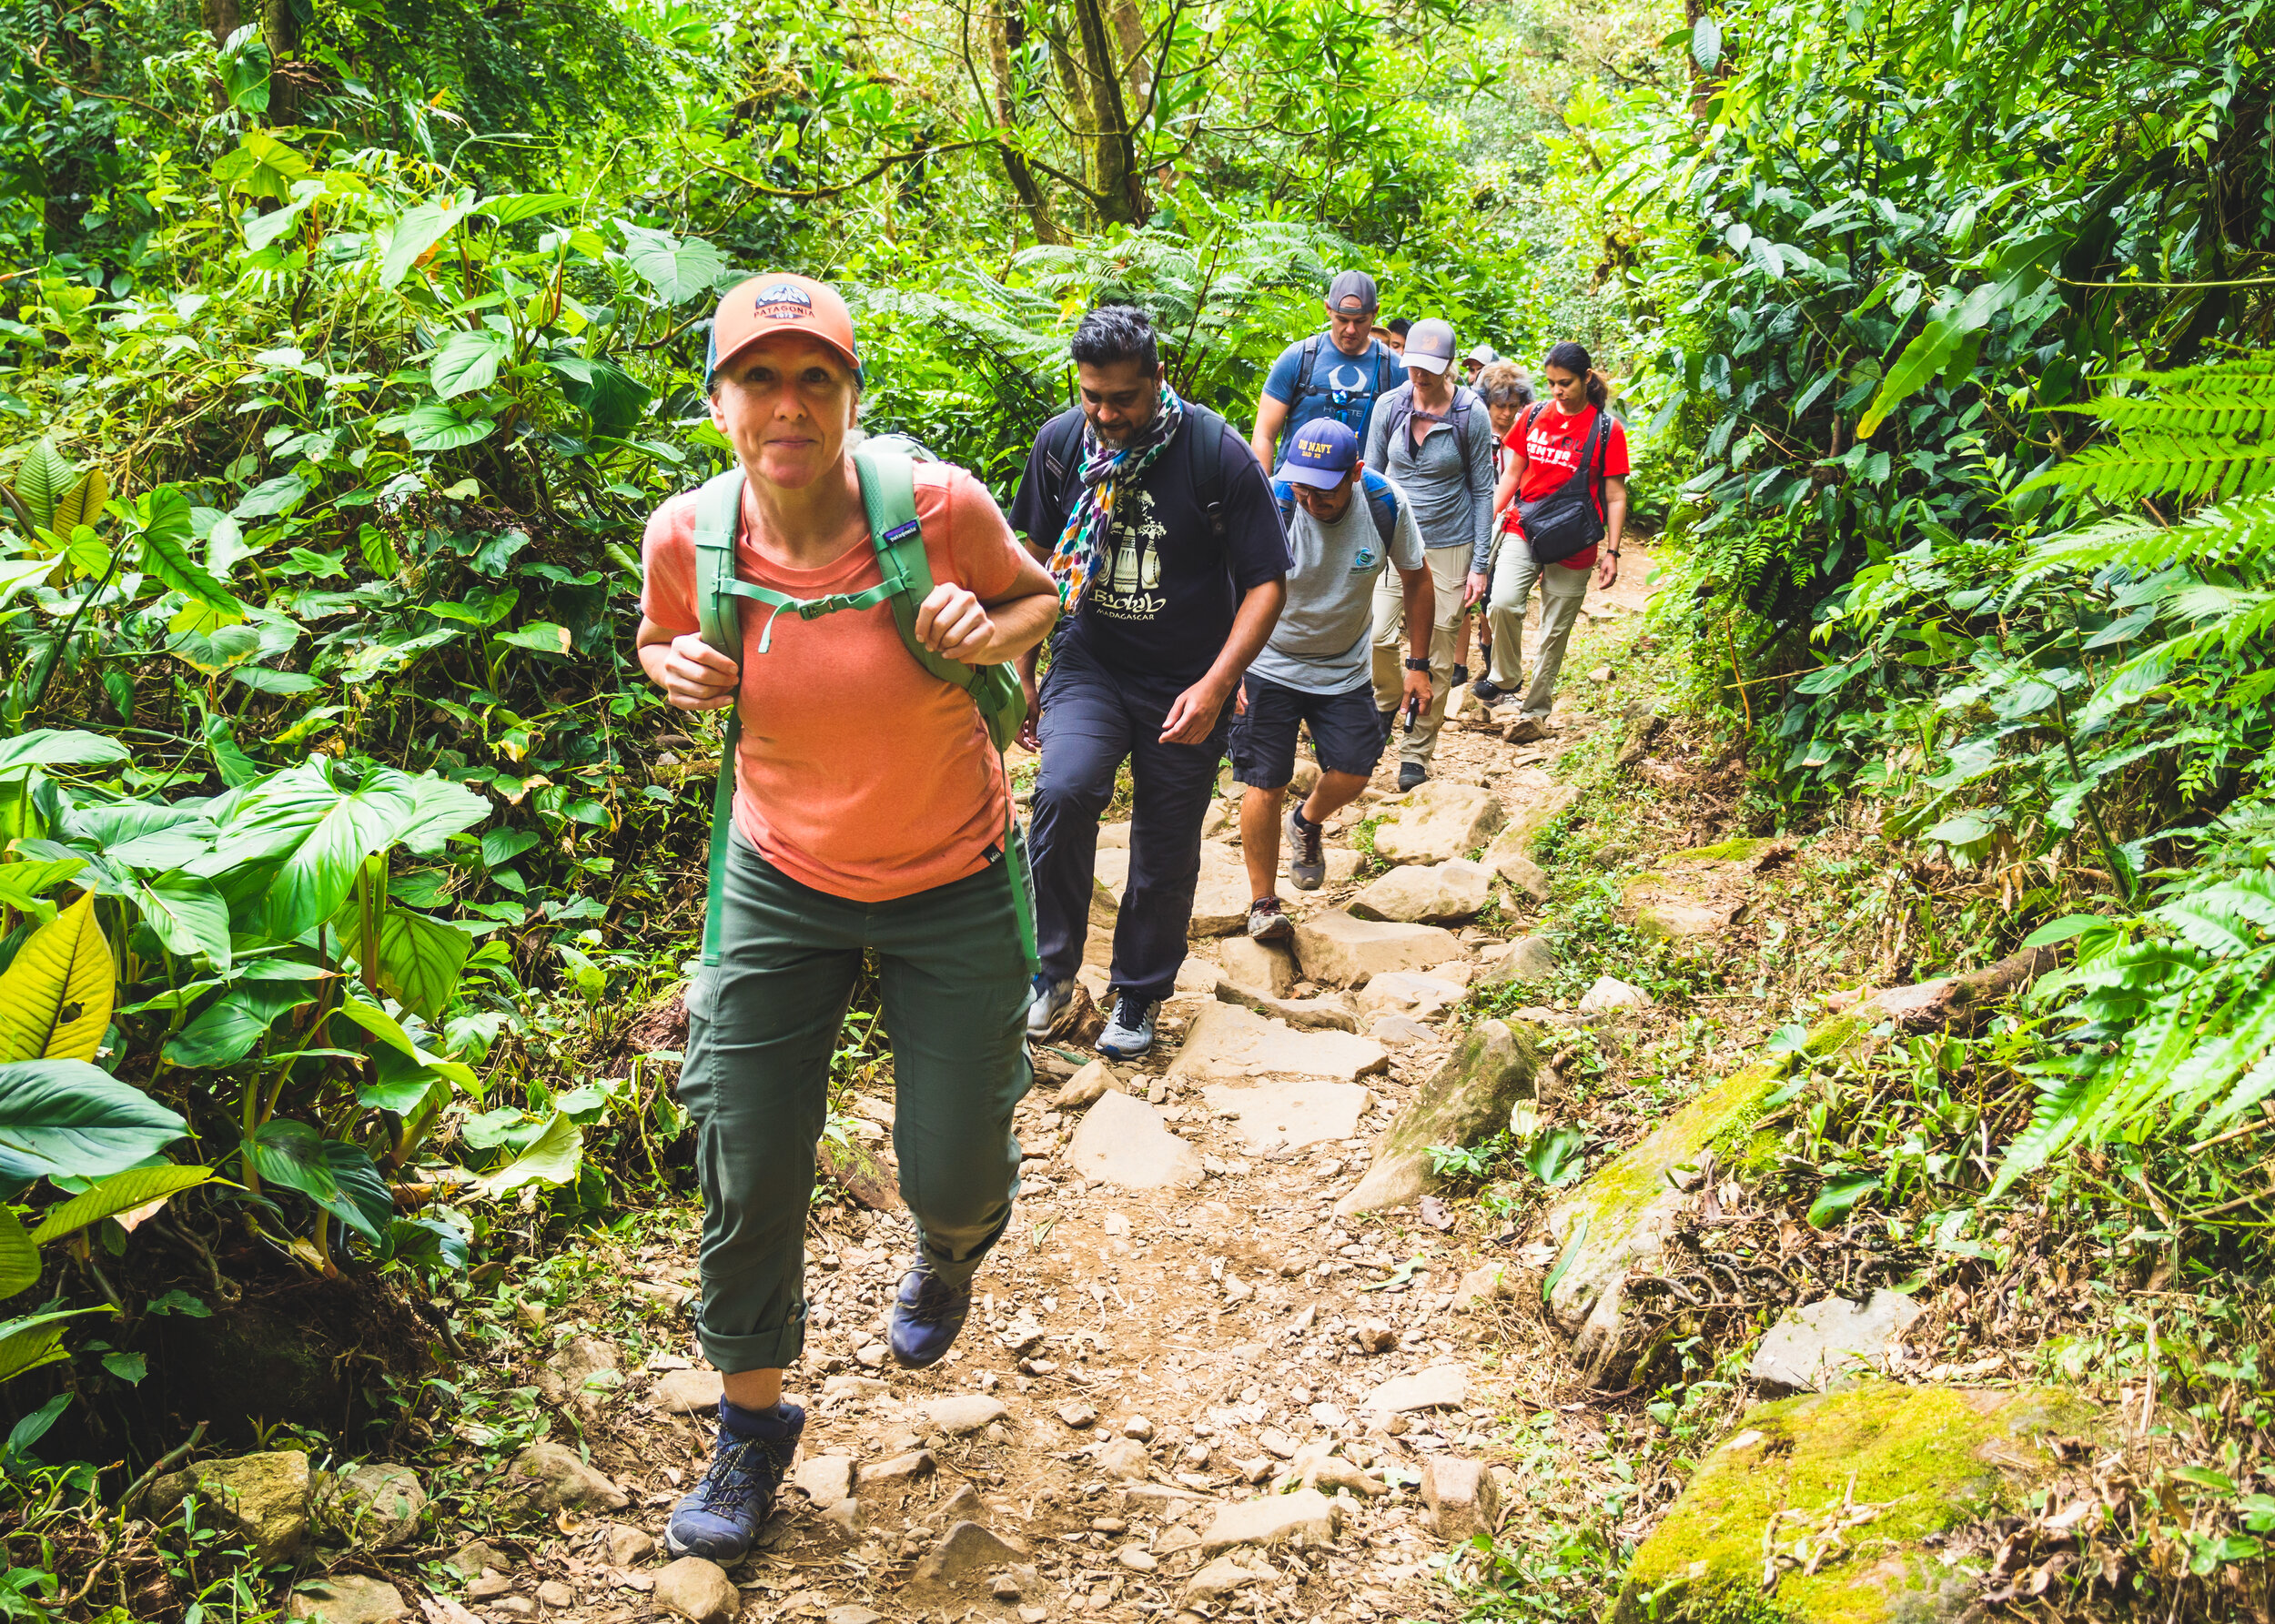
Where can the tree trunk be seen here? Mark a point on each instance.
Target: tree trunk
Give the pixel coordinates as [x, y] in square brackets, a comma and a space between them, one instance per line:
[281, 30]
[1006, 28]
[1120, 182]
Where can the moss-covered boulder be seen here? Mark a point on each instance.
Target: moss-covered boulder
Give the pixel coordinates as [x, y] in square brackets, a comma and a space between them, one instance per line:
[1854, 1484]
[1692, 897]
[1466, 1102]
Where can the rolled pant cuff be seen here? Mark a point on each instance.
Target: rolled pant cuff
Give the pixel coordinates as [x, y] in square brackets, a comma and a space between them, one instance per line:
[775, 1348]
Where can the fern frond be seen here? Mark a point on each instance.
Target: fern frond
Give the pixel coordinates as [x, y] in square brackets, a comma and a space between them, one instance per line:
[2147, 463]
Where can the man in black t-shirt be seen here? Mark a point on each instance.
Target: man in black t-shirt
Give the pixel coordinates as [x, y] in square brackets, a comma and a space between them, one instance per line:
[1161, 533]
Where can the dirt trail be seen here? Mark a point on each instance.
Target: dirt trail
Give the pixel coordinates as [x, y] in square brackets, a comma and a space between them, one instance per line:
[1139, 1365]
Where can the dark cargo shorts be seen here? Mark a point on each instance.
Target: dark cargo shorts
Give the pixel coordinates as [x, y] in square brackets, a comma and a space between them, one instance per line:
[1347, 731]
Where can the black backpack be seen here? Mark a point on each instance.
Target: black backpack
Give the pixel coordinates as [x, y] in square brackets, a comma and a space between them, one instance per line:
[1305, 366]
[1061, 445]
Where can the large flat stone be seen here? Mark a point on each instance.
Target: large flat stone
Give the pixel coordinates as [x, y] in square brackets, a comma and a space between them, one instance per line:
[1123, 1140]
[964, 1553]
[687, 1392]
[1305, 1015]
[1428, 893]
[1276, 1115]
[961, 1414]
[1228, 1042]
[1527, 959]
[1439, 820]
[1410, 993]
[1441, 1387]
[1221, 899]
[347, 1599]
[1338, 949]
[1527, 816]
[262, 1498]
[1304, 1517]
[1467, 1101]
[1827, 1343]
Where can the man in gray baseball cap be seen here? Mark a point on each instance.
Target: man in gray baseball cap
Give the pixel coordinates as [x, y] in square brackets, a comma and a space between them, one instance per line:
[1338, 373]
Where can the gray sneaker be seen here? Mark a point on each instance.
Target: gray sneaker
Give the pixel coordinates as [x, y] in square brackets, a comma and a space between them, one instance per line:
[1307, 864]
[1130, 1032]
[1269, 921]
[1051, 999]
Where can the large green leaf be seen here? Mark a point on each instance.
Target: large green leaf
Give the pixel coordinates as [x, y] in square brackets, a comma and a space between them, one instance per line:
[34, 1340]
[189, 916]
[272, 498]
[553, 1159]
[226, 1031]
[166, 542]
[340, 1178]
[55, 998]
[444, 809]
[19, 1256]
[419, 961]
[436, 428]
[678, 270]
[120, 1193]
[23, 884]
[41, 479]
[415, 231]
[321, 871]
[612, 396]
[47, 747]
[468, 362]
[68, 1118]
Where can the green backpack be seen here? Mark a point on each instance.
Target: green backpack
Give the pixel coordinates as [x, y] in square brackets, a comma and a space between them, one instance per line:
[886, 465]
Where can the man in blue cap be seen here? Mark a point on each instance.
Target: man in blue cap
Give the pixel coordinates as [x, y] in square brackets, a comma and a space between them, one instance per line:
[1345, 526]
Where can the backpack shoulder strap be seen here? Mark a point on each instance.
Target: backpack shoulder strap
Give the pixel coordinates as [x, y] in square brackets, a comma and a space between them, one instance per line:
[1305, 366]
[1284, 495]
[1382, 502]
[718, 521]
[1399, 407]
[1207, 430]
[888, 497]
[1061, 444]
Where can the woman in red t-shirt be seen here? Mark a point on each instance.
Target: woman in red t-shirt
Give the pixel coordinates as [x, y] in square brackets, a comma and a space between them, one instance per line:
[1544, 449]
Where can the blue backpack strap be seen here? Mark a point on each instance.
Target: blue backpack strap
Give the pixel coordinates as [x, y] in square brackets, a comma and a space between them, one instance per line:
[1382, 502]
[1284, 494]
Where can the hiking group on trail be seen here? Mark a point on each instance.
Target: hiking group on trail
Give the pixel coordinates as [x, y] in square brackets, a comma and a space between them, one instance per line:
[873, 627]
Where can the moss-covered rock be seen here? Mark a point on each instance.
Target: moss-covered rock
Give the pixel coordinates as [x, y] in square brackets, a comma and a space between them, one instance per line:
[1858, 1479]
[1691, 898]
[1618, 1220]
[1620, 1216]
[1467, 1101]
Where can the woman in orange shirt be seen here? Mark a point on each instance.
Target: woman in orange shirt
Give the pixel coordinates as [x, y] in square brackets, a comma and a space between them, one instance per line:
[870, 810]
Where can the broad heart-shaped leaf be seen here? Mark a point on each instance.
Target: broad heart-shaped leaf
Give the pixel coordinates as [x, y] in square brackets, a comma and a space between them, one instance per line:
[515, 207]
[444, 809]
[55, 998]
[82, 504]
[677, 270]
[553, 1159]
[321, 871]
[542, 636]
[415, 231]
[42, 479]
[66, 1116]
[34, 1340]
[396, 1036]
[436, 427]
[226, 1030]
[189, 916]
[340, 1178]
[165, 553]
[47, 747]
[612, 396]
[419, 962]
[19, 1256]
[468, 362]
[120, 1193]
[272, 498]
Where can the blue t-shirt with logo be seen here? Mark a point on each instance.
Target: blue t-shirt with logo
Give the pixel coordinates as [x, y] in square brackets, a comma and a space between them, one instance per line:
[1342, 386]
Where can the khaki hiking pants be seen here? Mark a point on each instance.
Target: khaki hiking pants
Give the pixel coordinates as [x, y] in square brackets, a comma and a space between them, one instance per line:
[1515, 571]
[1450, 575]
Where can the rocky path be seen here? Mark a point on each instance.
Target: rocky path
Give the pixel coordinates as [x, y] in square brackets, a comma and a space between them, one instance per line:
[1230, 1361]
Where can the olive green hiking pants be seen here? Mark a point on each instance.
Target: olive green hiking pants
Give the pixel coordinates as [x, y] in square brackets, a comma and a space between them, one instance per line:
[762, 1025]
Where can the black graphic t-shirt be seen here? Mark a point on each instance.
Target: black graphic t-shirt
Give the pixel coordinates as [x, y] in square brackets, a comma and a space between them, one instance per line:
[1161, 604]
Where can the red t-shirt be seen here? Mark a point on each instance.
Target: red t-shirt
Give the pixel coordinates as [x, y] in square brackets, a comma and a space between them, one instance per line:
[861, 773]
[1552, 442]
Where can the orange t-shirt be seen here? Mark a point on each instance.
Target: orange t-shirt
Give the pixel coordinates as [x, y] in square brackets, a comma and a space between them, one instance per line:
[861, 773]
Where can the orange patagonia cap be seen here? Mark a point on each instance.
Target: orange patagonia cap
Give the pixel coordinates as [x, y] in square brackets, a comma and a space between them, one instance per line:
[778, 302]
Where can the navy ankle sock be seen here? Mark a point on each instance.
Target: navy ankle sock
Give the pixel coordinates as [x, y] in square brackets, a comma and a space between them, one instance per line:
[772, 1424]
[1304, 822]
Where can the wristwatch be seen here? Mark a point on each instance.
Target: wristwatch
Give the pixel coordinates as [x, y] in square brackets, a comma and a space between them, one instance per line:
[1417, 665]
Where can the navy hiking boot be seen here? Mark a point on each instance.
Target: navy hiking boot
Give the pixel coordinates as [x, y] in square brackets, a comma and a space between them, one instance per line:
[926, 1315]
[724, 1513]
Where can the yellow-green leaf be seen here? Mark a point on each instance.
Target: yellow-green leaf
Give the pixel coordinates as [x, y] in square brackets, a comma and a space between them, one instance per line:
[82, 504]
[120, 1193]
[42, 478]
[56, 999]
[19, 1257]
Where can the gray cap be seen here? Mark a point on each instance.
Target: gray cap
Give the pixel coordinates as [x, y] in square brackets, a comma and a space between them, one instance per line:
[1429, 346]
[1483, 355]
[1353, 292]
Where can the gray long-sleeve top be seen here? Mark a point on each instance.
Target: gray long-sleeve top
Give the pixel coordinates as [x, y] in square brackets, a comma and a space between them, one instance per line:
[1450, 480]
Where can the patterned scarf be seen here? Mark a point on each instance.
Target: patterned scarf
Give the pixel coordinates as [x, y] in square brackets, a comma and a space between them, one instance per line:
[1105, 469]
